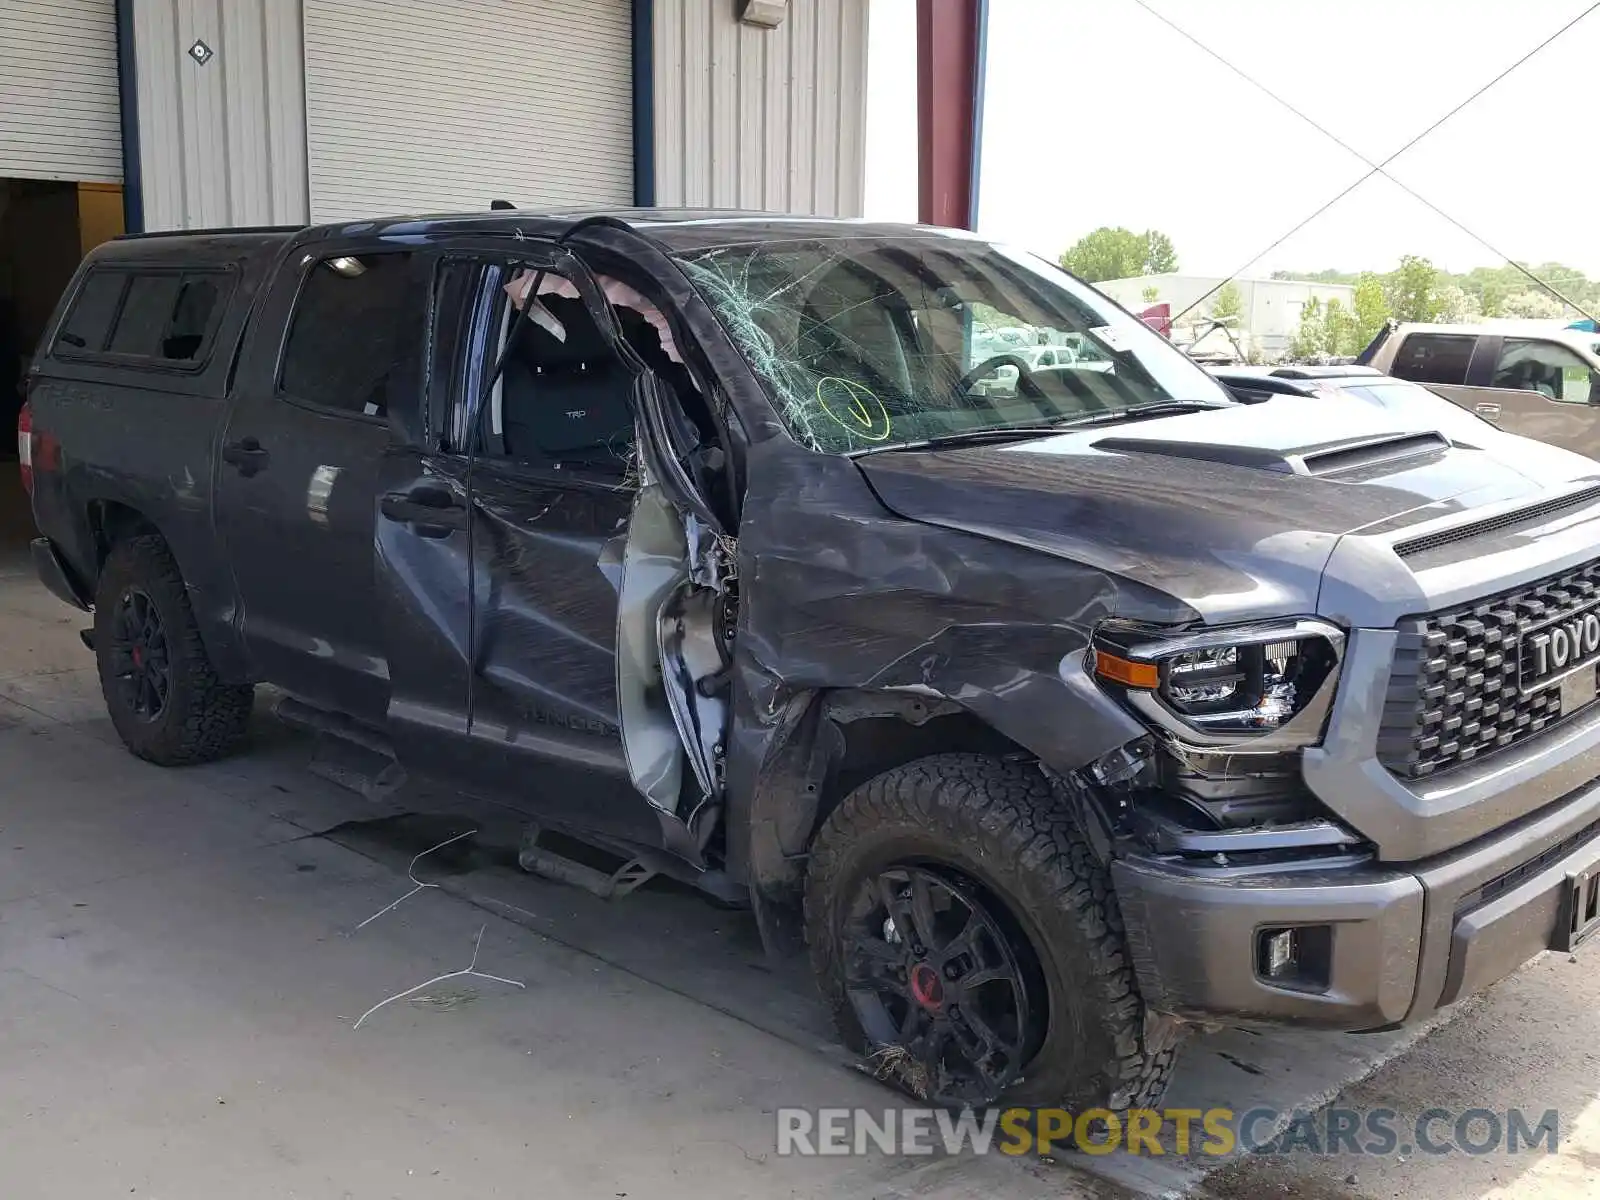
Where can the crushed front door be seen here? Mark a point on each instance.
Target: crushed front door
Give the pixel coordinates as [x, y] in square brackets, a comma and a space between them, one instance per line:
[676, 620]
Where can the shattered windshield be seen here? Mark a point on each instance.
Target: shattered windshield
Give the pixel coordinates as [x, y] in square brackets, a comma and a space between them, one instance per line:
[871, 342]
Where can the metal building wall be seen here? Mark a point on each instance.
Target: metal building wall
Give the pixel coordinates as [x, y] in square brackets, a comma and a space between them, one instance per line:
[224, 142]
[58, 90]
[445, 105]
[743, 117]
[764, 119]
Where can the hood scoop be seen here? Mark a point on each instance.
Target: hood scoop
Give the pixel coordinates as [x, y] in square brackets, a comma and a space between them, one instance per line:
[1350, 458]
[1375, 452]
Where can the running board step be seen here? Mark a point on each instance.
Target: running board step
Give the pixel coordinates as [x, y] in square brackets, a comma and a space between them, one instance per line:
[348, 753]
[357, 768]
[538, 860]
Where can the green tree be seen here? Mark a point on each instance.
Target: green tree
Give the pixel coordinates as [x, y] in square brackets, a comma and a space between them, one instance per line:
[1309, 337]
[1325, 328]
[1228, 303]
[1372, 310]
[1412, 289]
[1570, 282]
[1150, 295]
[1340, 331]
[1491, 286]
[1456, 304]
[1117, 253]
[1531, 303]
[1160, 258]
[1482, 291]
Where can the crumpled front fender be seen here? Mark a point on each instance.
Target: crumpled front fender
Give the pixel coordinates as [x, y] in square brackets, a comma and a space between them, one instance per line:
[837, 592]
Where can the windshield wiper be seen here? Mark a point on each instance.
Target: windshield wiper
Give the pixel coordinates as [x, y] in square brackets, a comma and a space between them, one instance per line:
[969, 437]
[1138, 412]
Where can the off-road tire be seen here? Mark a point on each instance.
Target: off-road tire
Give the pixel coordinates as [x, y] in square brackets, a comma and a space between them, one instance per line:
[204, 718]
[1001, 824]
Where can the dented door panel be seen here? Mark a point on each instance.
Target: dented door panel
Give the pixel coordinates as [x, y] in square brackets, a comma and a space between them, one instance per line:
[504, 651]
[544, 725]
[546, 651]
[421, 576]
[546, 732]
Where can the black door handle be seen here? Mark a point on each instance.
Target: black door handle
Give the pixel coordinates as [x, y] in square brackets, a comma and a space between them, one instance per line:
[431, 495]
[429, 511]
[247, 455]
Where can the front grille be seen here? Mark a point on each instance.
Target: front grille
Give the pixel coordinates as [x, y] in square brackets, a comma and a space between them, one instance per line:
[1453, 691]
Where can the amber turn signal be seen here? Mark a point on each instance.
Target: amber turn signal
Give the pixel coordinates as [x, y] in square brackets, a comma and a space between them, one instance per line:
[1126, 672]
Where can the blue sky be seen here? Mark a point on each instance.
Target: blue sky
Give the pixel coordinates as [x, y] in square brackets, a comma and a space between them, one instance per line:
[1096, 113]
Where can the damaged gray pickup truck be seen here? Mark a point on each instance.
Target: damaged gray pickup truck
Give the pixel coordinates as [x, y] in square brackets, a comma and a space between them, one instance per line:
[1067, 708]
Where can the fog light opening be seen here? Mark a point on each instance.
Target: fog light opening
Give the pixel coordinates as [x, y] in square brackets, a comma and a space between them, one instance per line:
[1297, 956]
[1278, 953]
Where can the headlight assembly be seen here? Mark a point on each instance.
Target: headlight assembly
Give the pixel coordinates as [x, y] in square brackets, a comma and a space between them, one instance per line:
[1262, 687]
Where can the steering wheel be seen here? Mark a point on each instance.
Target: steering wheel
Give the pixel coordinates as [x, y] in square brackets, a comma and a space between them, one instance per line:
[1025, 380]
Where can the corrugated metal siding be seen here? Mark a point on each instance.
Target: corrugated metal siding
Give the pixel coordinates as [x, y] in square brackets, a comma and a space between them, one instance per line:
[754, 118]
[441, 105]
[223, 143]
[58, 90]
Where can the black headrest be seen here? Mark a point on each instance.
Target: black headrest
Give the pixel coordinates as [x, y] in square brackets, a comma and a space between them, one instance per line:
[584, 343]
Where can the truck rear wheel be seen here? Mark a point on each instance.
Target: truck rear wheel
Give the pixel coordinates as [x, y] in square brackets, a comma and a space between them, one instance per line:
[967, 941]
[163, 696]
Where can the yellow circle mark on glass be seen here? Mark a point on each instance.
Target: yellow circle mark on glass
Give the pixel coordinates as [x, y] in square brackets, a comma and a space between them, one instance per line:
[853, 407]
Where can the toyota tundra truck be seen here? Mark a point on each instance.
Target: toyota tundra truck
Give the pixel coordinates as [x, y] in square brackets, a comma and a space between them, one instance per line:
[1060, 711]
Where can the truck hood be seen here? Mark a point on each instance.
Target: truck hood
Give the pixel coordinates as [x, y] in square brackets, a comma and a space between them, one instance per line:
[1235, 511]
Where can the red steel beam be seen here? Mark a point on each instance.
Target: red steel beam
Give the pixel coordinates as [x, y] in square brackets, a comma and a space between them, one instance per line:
[949, 78]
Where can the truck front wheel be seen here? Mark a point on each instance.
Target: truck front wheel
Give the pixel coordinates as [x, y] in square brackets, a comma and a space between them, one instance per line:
[161, 691]
[968, 943]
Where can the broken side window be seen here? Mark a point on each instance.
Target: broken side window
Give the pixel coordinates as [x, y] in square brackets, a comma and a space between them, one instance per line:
[159, 315]
[561, 400]
[356, 335]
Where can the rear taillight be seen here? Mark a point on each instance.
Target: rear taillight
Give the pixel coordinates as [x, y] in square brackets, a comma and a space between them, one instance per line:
[25, 446]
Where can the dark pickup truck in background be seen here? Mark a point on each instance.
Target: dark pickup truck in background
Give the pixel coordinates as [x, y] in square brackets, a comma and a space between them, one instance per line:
[1072, 706]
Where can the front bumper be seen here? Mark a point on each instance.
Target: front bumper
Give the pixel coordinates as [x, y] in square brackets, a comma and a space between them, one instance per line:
[1405, 941]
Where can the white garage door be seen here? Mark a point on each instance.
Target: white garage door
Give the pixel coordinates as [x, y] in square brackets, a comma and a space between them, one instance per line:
[58, 90]
[444, 105]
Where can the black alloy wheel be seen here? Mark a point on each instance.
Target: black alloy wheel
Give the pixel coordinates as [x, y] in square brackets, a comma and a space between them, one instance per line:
[936, 980]
[975, 868]
[163, 695]
[140, 656]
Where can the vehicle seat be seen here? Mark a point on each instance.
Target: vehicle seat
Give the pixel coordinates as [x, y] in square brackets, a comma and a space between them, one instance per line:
[1528, 376]
[565, 401]
[1514, 376]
